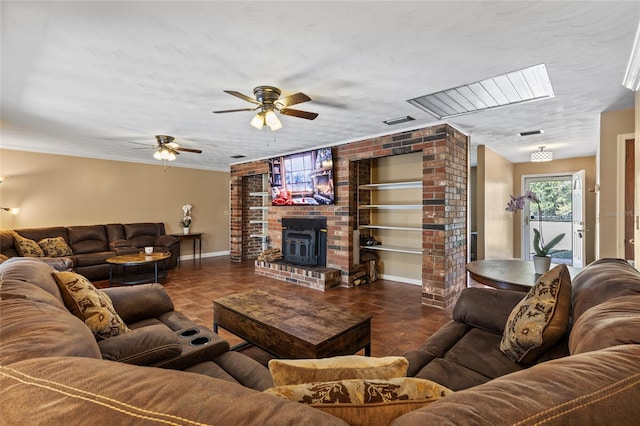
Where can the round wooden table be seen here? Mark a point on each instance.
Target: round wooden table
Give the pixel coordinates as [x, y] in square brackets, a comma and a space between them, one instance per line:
[507, 274]
[128, 260]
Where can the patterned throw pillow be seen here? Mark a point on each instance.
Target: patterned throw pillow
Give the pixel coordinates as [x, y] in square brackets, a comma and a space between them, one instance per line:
[362, 401]
[55, 247]
[26, 247]
[298, 371]
[540, 319]
[89, 304]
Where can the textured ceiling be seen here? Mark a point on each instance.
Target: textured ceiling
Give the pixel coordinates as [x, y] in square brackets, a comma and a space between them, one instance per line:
[89, 78]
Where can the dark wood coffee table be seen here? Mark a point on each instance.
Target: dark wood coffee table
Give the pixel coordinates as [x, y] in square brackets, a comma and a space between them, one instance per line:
[293, 327]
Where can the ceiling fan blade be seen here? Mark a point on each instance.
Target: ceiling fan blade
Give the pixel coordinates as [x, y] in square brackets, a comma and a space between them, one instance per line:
[195, 151]
[242, 96]
[296, 98]
[298, 113]
[235, 110]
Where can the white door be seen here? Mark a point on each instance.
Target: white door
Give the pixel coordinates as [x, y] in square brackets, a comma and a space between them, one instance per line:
[578, 208]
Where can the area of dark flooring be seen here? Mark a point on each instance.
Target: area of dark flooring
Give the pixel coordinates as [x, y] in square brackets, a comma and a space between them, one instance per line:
[400, 322]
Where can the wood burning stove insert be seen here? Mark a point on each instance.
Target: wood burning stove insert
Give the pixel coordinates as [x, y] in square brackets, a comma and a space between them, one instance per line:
[304, 241]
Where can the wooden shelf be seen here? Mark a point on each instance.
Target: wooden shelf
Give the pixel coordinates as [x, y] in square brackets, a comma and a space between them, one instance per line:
[258, 208]
[393, 206]
[259, 221]
[391, 185]
[258, 194]
[396, 249]
[394, 228]
[258, 236]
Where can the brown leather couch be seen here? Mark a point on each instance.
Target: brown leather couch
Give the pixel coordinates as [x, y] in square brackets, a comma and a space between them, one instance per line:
[592, 376]
[54, 371]
[93, 244]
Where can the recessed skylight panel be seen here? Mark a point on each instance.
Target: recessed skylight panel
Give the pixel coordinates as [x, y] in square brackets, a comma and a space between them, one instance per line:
[516, 87]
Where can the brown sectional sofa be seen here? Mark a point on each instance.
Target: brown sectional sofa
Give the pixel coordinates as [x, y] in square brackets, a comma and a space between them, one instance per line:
[93, 244]
[51, 371]
[166, 370]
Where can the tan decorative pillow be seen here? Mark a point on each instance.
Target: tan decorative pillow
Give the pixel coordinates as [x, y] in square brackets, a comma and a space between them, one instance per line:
[298, 371]
[55, 247]
[540, 319]
[89, 304]
[3, 258]
[365, 402]
[26, 247]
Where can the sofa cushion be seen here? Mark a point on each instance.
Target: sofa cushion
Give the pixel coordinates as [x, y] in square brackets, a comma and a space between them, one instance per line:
[143, 346]
[541, 319]
[34, 326]
[31, 271]
[614, 322]
[94, 391]
[298, 371]
[362, 401]
[88, 239]
[602, 280]
[27, 247]
[55, 247]
[142, 234]
[90, 305]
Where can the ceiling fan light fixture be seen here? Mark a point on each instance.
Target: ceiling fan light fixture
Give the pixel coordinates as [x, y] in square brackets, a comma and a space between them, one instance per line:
[272, 120]
[542, 155]
[258, 120]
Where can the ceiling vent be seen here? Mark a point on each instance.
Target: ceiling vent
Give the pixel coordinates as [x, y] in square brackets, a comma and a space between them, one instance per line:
[525, 85]
[398, 120]
[531, 133]
[237, 156]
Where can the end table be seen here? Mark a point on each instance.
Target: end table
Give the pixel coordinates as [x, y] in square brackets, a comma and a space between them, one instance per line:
[195, 236]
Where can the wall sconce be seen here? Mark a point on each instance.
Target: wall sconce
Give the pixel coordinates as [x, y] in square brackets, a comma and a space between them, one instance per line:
[541, 155]
[12, 210]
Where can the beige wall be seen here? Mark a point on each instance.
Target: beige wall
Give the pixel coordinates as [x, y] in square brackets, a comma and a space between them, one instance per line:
[61, 190]
[494, 224]
[571, 165]
[612, 124]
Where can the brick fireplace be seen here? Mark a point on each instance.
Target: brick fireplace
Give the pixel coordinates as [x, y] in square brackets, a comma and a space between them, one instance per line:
[444, 191]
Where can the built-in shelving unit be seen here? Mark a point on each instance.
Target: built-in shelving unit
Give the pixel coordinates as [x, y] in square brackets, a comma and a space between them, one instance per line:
[390, 210]
[264, 208]
[409, 227]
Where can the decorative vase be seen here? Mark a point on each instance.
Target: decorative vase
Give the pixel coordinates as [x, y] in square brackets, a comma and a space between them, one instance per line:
[541, 264]
[185, 230]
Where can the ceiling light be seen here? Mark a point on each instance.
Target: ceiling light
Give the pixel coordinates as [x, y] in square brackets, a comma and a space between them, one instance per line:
[272, 121]
[525, 85]
[541, 155]
[398, 120]
[258, 120]
[164, 154]
[12, 210]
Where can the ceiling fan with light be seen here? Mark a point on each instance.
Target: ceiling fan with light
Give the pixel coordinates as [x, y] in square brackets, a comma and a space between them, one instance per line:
[167, 149]
[268, 101]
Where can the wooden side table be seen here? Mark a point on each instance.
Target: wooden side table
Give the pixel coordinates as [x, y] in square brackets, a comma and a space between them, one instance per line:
[195, 236]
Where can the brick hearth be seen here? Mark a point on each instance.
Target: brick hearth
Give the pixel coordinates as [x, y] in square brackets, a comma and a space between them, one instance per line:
[316, 277]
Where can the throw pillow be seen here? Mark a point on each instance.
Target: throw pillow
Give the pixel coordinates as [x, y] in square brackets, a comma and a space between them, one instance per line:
[89, 304]
[26, 247]
[298, 371]
[55, 247]
[540, 319]
[365, 402]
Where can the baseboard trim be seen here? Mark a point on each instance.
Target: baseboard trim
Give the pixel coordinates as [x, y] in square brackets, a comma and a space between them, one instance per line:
[405, 280]
[210, 254]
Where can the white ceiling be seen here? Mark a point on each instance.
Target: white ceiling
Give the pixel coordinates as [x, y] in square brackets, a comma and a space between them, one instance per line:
[88, 78]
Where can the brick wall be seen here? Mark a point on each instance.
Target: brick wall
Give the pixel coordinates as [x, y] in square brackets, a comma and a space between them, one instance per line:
[445, 169]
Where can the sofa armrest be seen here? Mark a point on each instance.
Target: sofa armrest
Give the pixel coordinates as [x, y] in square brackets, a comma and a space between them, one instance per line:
[142, 346]
[166, 241]
[486, 308]
[140, 302]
